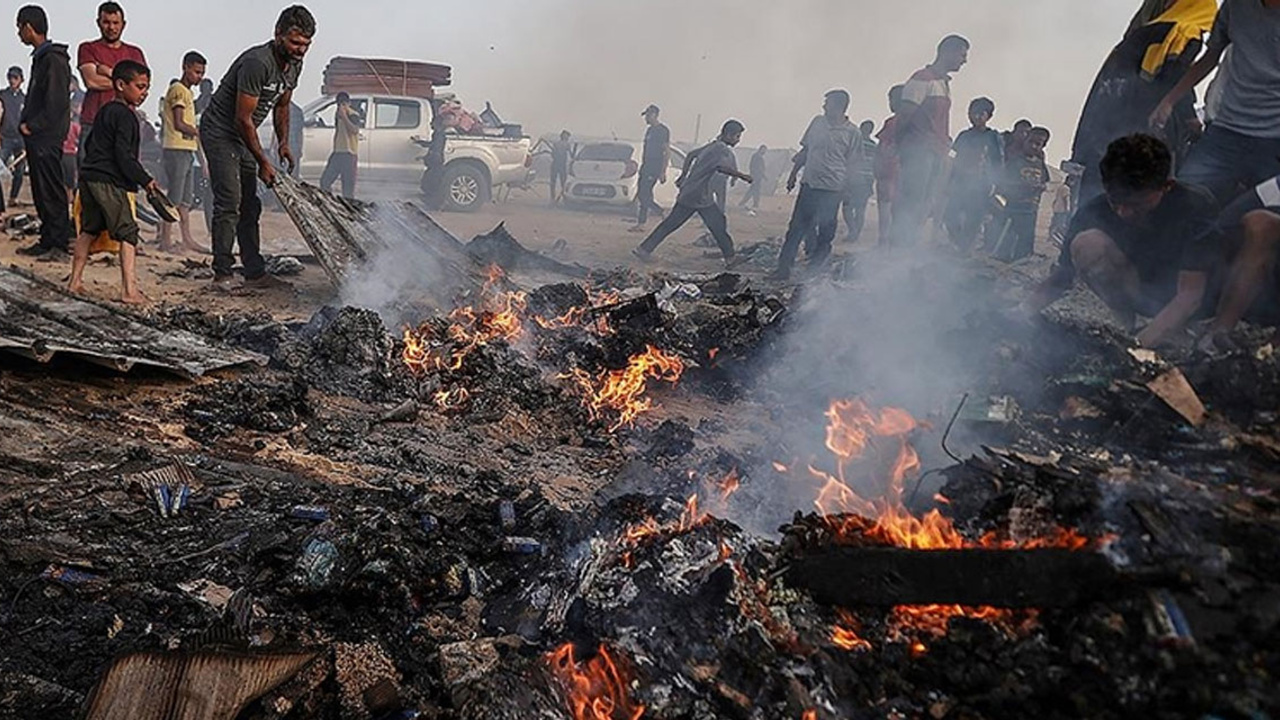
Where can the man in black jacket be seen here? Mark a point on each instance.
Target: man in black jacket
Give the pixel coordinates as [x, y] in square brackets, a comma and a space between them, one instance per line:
[46, 118]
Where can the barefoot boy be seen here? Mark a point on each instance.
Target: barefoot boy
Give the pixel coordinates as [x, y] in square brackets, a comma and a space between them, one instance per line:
[110, 172]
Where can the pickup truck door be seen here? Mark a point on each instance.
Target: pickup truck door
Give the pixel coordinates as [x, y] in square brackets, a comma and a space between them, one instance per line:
[393, 156]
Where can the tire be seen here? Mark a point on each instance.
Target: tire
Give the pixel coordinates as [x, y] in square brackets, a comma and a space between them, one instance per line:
[466, 188]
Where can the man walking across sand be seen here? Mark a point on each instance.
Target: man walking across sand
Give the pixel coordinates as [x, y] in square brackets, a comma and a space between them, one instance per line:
[655, 157]
[259, 83]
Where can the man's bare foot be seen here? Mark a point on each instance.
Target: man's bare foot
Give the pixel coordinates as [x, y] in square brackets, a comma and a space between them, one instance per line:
[76, 288]
[136, 298]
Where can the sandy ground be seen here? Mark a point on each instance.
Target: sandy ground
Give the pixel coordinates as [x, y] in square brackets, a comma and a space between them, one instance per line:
[594, 238]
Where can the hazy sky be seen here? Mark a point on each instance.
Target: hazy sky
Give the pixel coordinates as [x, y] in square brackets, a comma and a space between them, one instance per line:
[592, 65]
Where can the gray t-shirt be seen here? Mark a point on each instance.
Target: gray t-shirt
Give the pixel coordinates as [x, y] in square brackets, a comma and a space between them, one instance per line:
[12, 101]
[832, 153]
[702, 177]
[257, 73]
[1250, 102]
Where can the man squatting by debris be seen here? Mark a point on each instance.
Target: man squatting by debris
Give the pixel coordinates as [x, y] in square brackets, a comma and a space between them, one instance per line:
[697, 183]
[1155, 246]
[111, 171]
[259, 82]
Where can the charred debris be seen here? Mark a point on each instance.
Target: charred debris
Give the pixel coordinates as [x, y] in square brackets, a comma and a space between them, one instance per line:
[565, 503]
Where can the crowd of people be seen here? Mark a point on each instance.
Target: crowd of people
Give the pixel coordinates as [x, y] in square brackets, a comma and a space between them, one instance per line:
[83, 150]
[1164, 213]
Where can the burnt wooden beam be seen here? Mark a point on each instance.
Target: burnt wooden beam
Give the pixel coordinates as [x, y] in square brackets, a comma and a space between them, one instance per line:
[885, 576]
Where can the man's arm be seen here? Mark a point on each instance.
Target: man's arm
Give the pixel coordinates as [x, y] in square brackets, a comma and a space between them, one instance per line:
[1175, 316]
[1198, 72]
[797, 162]
[280, 115]
[246, 105]
[666, 158]
[126, 155]
[1051, 290]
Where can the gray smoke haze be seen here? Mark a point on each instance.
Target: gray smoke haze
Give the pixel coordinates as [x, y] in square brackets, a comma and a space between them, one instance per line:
[592, 65]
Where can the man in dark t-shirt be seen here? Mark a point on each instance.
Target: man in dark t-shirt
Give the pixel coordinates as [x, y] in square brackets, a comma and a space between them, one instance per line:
[1149, 246]
[653, 165]
[259, 83]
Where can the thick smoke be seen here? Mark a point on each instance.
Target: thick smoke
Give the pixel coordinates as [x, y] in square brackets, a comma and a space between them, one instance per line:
[399, 280]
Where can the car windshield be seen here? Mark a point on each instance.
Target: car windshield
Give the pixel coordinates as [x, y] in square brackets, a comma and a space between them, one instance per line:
[606, 152]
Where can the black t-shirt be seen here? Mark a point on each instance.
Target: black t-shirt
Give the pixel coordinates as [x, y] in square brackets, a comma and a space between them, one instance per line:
[111, 150]
[656, 140]
[1180, 235]
[979, 153]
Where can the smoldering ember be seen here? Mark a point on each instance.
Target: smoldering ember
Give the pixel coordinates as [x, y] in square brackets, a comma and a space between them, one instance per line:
[457, 444]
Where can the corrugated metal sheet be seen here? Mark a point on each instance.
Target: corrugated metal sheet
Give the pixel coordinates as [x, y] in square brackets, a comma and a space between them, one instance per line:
[38, 320]
[205, 685]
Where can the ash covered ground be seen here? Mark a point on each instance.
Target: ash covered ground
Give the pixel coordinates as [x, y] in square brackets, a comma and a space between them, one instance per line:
[452, 543]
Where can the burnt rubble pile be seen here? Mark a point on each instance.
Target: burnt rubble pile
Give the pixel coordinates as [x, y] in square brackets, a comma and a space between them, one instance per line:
[468, 540]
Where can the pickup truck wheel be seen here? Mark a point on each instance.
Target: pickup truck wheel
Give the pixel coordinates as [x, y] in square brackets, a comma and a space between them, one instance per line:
[466, 189]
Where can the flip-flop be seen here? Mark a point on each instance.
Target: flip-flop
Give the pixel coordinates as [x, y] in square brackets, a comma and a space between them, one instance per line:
[164, 208]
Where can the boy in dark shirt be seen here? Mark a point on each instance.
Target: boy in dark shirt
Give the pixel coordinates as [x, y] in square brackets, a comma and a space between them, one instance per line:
[1025, 178]
[110, 172]
[1148, 246]
[979, 156]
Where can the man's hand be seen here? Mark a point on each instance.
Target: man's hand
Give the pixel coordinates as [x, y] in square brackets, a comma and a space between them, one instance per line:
[746, 178]
[1160, 116]
[267, 174]
[286, 157]
[791, 183]
[152, 187]
[663, 177]
[24, 129]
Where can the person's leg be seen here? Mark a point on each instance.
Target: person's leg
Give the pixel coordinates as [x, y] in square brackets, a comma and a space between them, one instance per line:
[78, 261]
[914, 190]
[644, 198]
[168, 181]
[827, 222]
[1108, 273]
[886, 193]
[184, 196]
[803, 219]
[330, 173]
[248, 232]
[1218, 163]
[718, 225]
[224, 182]
[861, 199]
[674, 220]
[1025, 224]
[130, 293]
[50, 196]
[1253, 265]
[350, 167]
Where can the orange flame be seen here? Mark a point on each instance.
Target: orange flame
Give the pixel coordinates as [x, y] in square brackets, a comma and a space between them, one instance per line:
[597, 689]
[845, 635]
[809, 715]
[451, 399]
[623, 391]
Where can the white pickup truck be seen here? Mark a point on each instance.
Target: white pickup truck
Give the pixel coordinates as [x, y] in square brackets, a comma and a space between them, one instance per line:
[392, 147]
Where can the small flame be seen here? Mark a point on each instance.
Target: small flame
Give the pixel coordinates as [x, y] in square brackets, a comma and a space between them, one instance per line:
[712, 353]
[810, 714]
[597, 689]
[780, 468]
[451, 399]
[622, 392]
[845, 635]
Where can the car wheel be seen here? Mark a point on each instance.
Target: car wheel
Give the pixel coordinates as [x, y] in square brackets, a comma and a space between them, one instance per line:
[466, 189]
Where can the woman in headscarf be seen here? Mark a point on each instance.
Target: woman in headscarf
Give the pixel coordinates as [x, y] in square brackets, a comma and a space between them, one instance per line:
[1162, 42]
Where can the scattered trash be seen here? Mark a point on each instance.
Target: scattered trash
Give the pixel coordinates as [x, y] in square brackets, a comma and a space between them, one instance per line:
[522, 546]
[1173, 388]
[284, 266]
[1167, 621]
[217, 596]
[429, 523]
[317, 561]
[228, 500]
[507, 514]
[309, 512]
[71, 577]
[169, 487]
[1000, 410]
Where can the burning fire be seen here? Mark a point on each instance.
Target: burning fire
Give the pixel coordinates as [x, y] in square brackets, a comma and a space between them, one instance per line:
[498, 315]
[845, 635]
[596, 689]
[858, 436]
[452, 399]
[622, 392]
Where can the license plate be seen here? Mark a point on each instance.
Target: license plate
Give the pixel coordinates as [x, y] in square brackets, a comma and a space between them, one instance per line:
[594, 191]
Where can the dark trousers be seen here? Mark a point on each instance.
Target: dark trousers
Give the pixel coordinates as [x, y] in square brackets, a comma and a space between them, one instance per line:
[712, 216]
[853, 206]
[1017, 234]
[644, 196]
[10, 149]
[559, 178]
[341, 165]
[920, 168]
[753, 194]
[813, 209]
[966, 209]
[1229, 164]
[233, 173]
[49, 191]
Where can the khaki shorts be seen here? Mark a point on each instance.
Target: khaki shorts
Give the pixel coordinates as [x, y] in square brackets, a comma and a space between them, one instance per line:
[106, 208]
